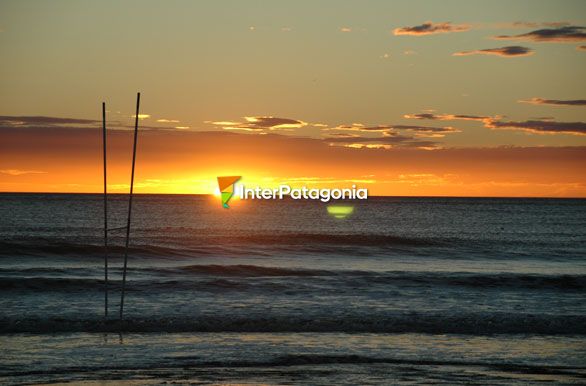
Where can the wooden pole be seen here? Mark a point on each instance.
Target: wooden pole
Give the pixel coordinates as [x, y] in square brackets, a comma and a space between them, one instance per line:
[105, 214]
[129, 208]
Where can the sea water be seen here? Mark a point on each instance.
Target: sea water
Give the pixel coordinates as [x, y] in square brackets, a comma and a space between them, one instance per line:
[401, 291]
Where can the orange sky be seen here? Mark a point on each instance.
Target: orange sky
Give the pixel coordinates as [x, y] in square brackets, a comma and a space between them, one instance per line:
[420, 98]
[174, 161]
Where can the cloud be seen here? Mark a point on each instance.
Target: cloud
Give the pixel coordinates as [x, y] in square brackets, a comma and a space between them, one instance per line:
[260, 123]
[427, 130]
[581, 48]
[385, 128]
[430, 28]
[357, 127]
[537, 126]
[18, 172]
[77, 123]
[509, 51]
[42, 120]
[566, 34]
[555, 102]
[387, 141]
[269, 122]
[387, 136]
[415, 131]
[345, 29]
[447, 117]
[541, 127]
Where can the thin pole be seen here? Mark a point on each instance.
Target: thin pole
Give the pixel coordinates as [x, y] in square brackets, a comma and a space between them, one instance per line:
[129, 207]
[105, 214]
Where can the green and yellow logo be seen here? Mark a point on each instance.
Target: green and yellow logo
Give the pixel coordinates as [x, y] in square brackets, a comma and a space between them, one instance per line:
[226, 185]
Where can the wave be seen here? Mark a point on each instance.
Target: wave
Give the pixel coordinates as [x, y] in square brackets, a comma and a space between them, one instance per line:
[319, 359]
[196, 362]
[430, 323]
[205, 244]
[215, 369]
[476, 280]
[179, 242]
[209, 276]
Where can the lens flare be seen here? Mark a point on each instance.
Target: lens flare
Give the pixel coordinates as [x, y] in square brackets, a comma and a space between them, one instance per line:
[340, 211]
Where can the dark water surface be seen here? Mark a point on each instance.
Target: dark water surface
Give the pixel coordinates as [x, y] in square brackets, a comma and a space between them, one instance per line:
[405, 290]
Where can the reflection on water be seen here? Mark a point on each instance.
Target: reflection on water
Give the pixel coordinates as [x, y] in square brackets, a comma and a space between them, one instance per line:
[279, 358]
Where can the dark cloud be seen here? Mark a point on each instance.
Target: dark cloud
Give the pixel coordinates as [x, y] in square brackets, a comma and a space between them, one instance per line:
[509, 51]
[388, 140]
[271, 122]
[261, 123]
[541, 127]
[374, 128]
[392, 128]
[581, 48]
[430, 28]
[429, 116]
[427, 129]
[48, 123]
[560, 34]
[447, 117]
[360, 127]
[41, 120]
[388, 135]
[555, 102]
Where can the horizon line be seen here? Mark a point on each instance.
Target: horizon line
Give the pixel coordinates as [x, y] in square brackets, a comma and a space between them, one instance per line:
[373, 196]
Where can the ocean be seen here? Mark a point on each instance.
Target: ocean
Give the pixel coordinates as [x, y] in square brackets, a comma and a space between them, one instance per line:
[404, 290]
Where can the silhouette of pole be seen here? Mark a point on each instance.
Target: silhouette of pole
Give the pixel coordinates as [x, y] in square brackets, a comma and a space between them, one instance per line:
[105, 214]
[129, 208]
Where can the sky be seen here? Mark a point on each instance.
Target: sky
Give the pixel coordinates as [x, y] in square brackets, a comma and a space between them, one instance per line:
[425, 98]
